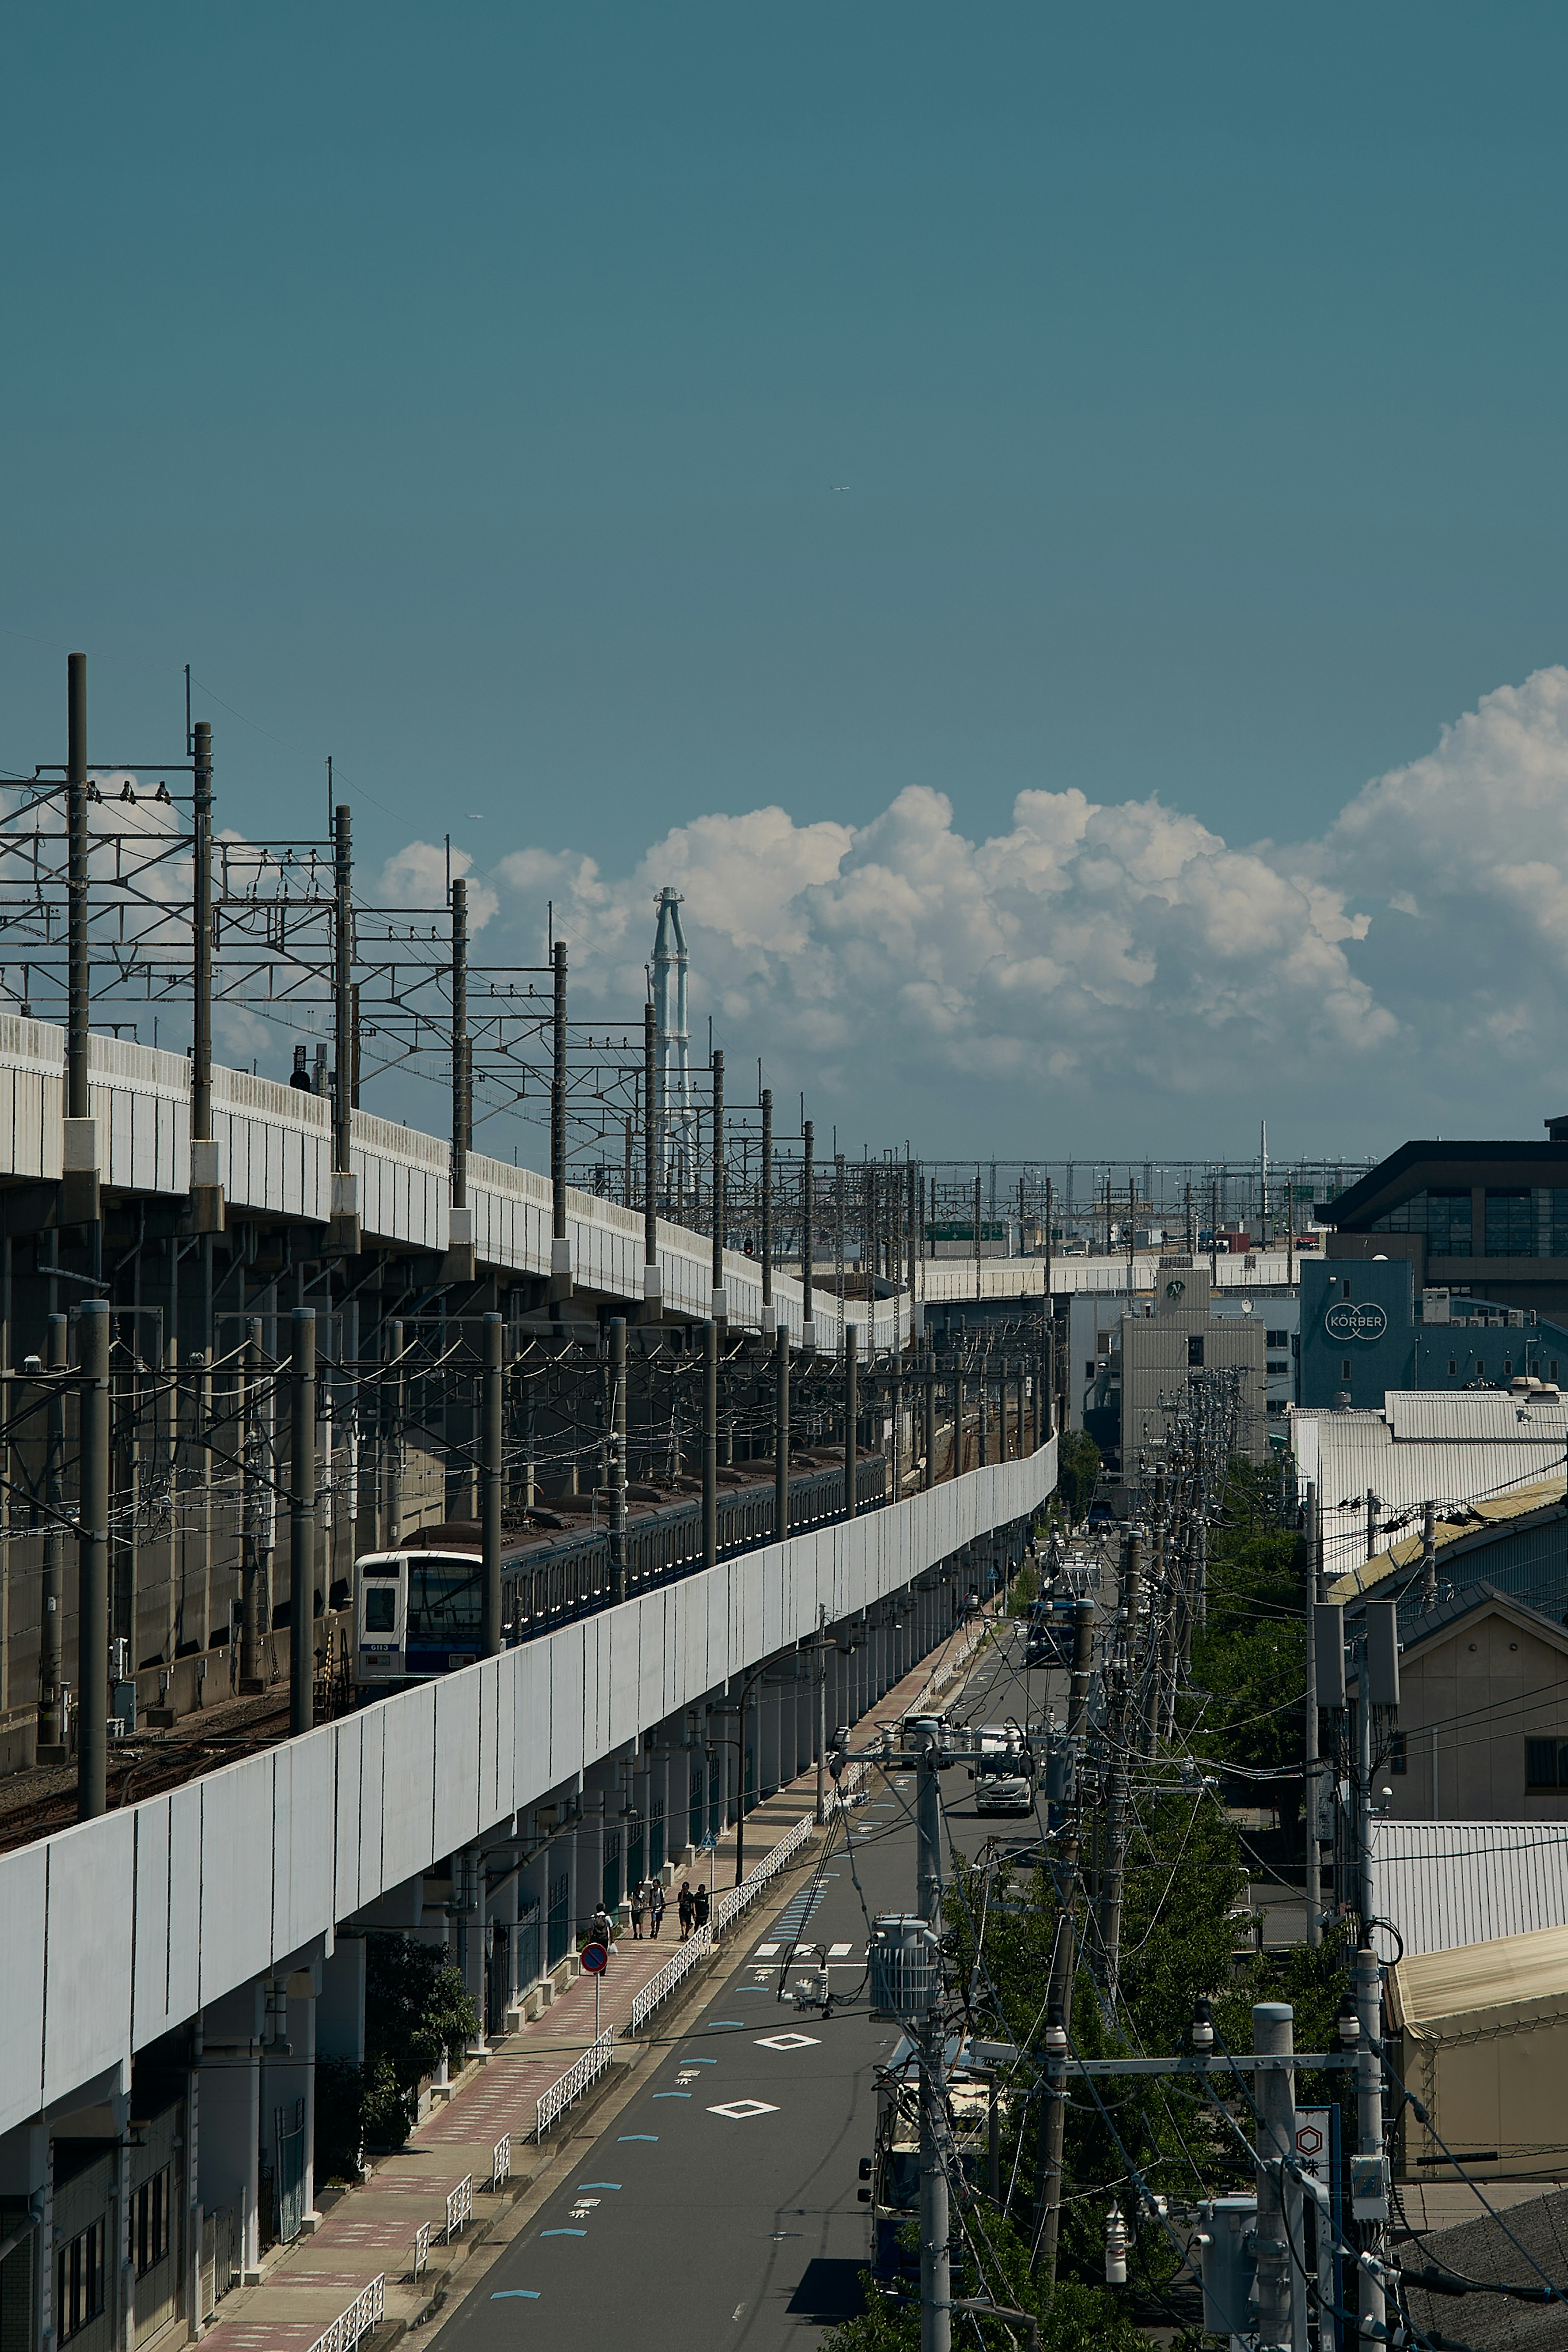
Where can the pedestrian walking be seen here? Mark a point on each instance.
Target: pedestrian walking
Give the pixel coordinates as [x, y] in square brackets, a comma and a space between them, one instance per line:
[699, 1908]
[685, 1905]
[599, 1929]
[656, 1910]
[639, 1906]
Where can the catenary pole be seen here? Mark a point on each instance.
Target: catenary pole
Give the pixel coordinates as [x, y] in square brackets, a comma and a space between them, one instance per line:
[490, 1494]
[302, 1520]
[92, 1565]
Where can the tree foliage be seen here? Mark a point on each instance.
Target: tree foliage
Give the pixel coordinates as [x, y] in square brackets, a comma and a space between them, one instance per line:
[417, 2012]
[1077, 1468]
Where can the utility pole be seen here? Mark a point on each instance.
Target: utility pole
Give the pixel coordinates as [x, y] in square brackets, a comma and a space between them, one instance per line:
[1310, 1774]
[54, 1729]
[852, 1419]
[461, 1110]
[720, 1308]
[1116, 1825]
[93, 1566]
[807, 1235]
[820, 1648]
[1428, 1557]
[254, 1513]
[767, 1236]
[781, 1433]
[617, 1455]
[1273, 2037]
[1059, 1984]
[936, 2271]
[560, 1248]
[709, 1445]
[652, 1281]
[490, 1496]
[1369, 2173]
[302, 1520]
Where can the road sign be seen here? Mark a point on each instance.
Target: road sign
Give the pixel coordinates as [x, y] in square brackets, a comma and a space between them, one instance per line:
[595, 1959]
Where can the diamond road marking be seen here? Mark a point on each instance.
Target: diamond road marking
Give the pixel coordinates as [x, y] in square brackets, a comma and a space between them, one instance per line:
[739, 2111]
[787, 2041]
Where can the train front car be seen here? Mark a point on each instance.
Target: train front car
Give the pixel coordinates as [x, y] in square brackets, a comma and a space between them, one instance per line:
[417, 1607]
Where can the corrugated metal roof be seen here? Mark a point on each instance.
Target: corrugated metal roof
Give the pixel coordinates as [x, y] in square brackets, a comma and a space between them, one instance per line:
[1429, 1987]
[1496, 1513]
[1472, 1415]
[1347, 1453]
[1448, 1884]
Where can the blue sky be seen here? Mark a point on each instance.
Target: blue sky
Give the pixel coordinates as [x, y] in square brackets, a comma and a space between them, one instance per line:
[461, 392]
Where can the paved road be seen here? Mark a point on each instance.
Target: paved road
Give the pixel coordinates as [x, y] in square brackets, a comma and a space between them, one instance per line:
[719, 2207]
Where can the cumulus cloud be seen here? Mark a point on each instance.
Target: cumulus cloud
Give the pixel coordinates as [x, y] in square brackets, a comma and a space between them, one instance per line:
[1120, 965]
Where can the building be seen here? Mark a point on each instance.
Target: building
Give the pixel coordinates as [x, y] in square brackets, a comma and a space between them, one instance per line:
[1488, 1218]
[1374, 1471]
[1367, 1333]
[1181, 1330]
[1516, 1543]
[1483, 1714]
[1484, 2043]
[1442, 1884]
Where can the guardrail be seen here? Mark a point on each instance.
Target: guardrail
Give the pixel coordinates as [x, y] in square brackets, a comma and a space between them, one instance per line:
[421, 2250]
[500, 2162]
[367, 2310]
[570, 2085]
[459, 2207]
[731, 1904]
[675, 1971]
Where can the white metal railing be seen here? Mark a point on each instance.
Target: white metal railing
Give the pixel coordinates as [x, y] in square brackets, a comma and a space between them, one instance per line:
[367, 2310]
[459, 2207]
[421, 2248]
[675, 1971]
[731, 1904]
[500, 2162]
[729, 1907]
[573, 2082]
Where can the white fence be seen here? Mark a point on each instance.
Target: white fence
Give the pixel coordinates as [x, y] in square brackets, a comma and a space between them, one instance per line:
[729, 1907]
[367, 2310]
[500, 2162]
[737, 1899]
[577, 2079]
[459, 2207]
[675, 1971]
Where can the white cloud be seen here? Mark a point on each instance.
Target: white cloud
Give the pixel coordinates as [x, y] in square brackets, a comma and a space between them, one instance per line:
[1120, 968]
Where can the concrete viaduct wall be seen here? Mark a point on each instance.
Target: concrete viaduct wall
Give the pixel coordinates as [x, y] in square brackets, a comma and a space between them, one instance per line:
[115, 1931]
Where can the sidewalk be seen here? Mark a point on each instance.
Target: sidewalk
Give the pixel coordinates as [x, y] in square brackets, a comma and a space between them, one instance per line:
[449, 2165]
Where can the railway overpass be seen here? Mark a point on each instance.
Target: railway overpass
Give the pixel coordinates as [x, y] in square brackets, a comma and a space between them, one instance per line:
[172, 1968]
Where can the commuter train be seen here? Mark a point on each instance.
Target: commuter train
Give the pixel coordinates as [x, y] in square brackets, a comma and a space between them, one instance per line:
[416, 1605]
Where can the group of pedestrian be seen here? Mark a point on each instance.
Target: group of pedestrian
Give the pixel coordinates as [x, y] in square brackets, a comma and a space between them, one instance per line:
[691, 1903]
[648, 1903]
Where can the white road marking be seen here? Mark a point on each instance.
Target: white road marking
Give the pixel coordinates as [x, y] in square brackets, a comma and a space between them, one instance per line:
[786, 2042]
[766, 1951]
[741, 2111]
[839, 1951]
[736, 2313]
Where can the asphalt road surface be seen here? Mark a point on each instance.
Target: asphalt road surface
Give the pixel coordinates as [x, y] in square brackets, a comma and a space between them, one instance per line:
[719, 2208]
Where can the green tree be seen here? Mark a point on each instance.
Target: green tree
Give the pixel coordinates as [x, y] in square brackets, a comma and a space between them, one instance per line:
[993, 2261]
[1078, 1467]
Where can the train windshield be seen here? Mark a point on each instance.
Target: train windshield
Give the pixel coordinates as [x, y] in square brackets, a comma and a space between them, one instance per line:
[443, 1603]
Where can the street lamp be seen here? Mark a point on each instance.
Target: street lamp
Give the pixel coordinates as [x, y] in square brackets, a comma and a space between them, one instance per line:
[738, 1743]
